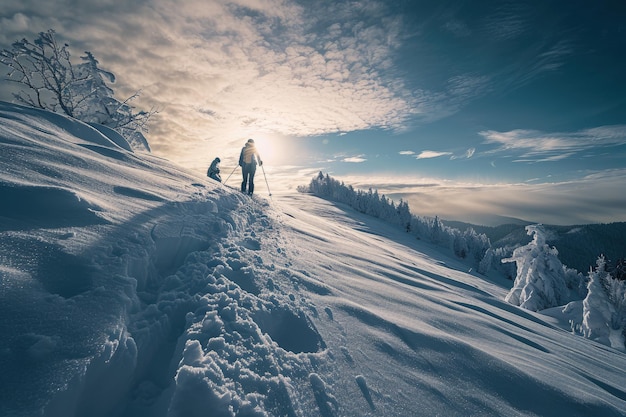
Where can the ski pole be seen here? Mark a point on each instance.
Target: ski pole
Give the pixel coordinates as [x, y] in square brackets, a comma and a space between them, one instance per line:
[268, 185]
[233, 171]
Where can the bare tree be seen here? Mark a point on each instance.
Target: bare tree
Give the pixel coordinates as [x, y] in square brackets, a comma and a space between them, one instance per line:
[54, 83]
[44, 67]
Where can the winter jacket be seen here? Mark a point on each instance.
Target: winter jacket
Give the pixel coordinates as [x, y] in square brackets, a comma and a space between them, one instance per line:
[214, 170]
[249, 155]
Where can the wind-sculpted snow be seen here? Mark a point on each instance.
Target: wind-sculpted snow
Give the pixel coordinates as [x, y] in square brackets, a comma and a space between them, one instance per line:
[130, 287]
[27, 206]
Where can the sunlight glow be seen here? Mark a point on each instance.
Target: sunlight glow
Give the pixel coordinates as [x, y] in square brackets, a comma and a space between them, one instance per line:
[266, 149]
[276, 150]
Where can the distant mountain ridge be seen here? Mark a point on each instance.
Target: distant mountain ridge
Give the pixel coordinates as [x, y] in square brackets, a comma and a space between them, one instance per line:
[579, 245]
[490, 220]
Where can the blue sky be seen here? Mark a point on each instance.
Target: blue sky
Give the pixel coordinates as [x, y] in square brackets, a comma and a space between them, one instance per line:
[464, 109]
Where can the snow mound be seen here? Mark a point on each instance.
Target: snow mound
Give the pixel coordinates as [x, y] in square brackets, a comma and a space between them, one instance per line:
[113, 136]
[56, 124]
[23, 204]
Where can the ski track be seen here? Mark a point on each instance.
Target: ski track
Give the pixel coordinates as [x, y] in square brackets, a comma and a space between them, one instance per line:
[233, 324]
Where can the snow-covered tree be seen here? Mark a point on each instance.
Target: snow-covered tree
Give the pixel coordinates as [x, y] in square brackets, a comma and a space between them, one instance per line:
[617, 269]
[604, 308]
[436, 230]
[404, 215]
[542, 280]
[477, 244]
[492, 260]
[101, 107]
[53, 82]
[486, 262]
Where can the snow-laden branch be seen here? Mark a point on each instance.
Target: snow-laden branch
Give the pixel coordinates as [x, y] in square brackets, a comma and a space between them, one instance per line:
[54, 83]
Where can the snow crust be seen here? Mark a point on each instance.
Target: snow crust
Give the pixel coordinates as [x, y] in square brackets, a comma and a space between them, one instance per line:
[131, 287]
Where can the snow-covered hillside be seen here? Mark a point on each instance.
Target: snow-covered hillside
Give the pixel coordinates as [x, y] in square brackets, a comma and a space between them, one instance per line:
[131, 287]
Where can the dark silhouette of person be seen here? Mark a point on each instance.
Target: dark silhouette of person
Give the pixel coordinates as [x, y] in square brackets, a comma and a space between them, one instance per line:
[248, 160]
[214, 170]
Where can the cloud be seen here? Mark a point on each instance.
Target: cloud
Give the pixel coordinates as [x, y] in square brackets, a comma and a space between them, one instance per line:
[509, 26]
[507, 21]
[222, 71]
[462, 88]
[436, 154]
[537, 146]
[596, 197]
[390, 184]
[457, 28]
[431, 154]
[467, 155]
[355, 159]
[538, 59]
[552, 158]
[17, 23]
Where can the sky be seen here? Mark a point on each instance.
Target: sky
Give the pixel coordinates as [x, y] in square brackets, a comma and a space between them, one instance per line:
[130, 287]
[502, 108]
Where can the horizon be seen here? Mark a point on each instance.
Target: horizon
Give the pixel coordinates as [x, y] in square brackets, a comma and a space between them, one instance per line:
[502, 109]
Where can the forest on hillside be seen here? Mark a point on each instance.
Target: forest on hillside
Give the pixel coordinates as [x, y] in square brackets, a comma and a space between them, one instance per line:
[579, 245]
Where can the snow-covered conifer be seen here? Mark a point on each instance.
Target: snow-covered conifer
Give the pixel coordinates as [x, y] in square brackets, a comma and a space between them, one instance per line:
[540, 282]
[484, 266]
[597, 309]
[604, 308]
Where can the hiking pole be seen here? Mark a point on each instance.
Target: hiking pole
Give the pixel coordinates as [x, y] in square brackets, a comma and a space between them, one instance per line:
[268, 185]
[229, 175]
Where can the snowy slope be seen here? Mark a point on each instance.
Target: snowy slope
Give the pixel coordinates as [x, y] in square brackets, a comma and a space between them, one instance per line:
[130, 287]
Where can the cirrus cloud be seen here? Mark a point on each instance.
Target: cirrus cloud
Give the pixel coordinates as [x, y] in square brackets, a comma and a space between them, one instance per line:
[534, 145]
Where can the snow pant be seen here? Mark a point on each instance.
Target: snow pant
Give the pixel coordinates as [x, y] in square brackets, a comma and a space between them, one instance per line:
[248, 171]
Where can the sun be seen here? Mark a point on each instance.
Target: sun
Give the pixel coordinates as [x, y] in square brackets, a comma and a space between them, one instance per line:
[267, 150]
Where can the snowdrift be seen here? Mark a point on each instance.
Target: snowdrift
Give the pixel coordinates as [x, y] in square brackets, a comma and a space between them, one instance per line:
[131, 287]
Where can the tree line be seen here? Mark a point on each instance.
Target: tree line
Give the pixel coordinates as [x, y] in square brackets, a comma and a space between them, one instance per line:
[465, 244]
